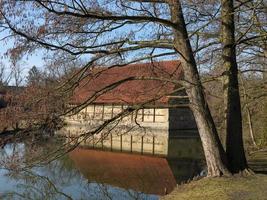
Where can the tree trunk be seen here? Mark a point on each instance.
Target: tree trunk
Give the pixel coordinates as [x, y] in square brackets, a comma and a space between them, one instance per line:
[264, 74]
[234, 141]
[250, 125]
[251, 132]
[213, 150]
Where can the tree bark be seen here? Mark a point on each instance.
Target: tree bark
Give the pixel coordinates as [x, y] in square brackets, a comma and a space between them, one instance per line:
[264, 75]
[234, 140]
[251, 132]
[213, 150]
[250, 125]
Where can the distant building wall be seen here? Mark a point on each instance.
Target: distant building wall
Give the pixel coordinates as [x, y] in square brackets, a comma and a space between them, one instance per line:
[181, 119]
[144, 131]
[182, 123]
[184, 140]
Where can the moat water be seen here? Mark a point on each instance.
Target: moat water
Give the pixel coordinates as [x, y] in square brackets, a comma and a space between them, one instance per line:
[31, 171]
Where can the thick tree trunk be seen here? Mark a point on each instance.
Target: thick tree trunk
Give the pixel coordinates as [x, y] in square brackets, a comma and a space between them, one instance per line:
[213, 150]
[234, 141]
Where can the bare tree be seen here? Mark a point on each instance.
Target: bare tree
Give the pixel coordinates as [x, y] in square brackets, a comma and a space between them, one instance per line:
[248, 112]
[234, 141]
[116, 33]
[16, 71]
[4, 75]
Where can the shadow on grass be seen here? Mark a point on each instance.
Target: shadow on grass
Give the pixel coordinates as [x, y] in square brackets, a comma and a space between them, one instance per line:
[258, 162]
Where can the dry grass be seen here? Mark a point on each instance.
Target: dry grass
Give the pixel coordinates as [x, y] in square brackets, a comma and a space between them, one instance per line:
[252, 187]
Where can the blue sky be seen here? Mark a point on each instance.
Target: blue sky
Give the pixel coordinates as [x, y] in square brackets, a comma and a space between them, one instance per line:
[26, 63]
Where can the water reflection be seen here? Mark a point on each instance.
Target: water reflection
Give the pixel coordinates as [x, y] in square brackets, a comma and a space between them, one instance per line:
[59, 179]
[149, 175]
[89, 174]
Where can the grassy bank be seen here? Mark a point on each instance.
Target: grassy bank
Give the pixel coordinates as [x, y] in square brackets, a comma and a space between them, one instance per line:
[252, 187]
[236, 188]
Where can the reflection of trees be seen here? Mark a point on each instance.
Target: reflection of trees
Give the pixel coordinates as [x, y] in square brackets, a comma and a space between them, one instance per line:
[38, 150]
[36, 182]
[12, 156]
[36, 186]
[57, 180]
[105, 192]
[101, 175]
[44, 182]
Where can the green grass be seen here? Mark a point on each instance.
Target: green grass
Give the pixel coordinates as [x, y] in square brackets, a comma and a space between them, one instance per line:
[253, 187]
[235, 188]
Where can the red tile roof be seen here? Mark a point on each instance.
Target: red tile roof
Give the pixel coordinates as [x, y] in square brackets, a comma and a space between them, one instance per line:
[132, 91]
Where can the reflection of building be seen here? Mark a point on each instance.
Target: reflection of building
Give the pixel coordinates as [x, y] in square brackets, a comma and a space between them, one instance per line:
[151, 87]
[140, 173]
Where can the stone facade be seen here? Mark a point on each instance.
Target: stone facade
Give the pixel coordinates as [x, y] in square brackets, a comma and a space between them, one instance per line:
[164, 114]
[145, 131]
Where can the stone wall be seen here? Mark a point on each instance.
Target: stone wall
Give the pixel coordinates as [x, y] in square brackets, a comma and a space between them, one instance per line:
[144, 131]
[168, 132]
